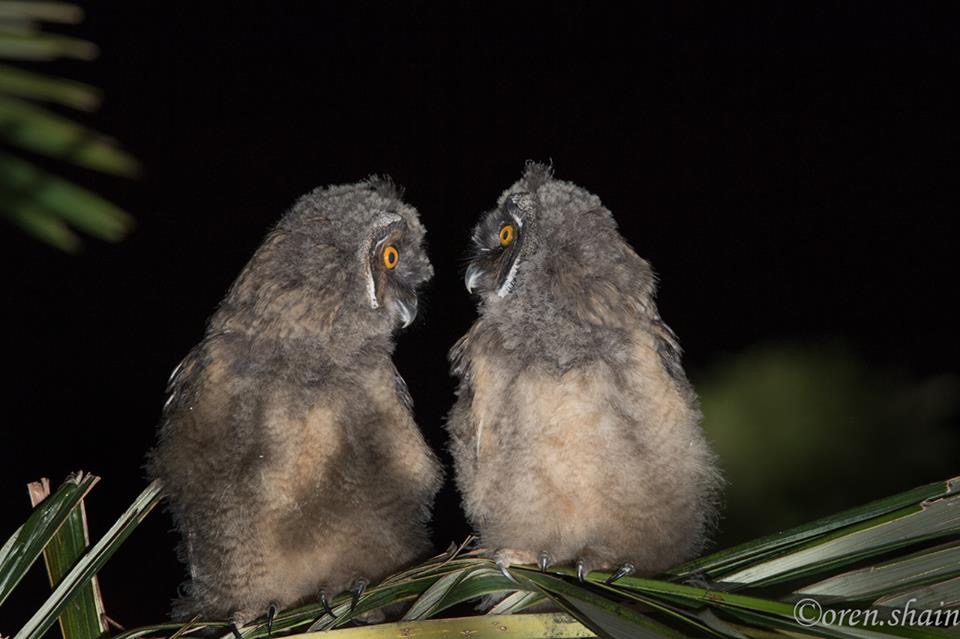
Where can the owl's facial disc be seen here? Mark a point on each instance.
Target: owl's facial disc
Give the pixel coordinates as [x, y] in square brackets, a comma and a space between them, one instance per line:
[391, 275]
[498, 244]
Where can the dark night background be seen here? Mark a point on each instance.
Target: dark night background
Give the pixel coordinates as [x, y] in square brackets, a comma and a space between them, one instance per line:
[791, 174]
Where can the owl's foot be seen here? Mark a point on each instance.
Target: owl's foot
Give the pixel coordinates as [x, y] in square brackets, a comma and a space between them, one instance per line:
[236, 631]
[625, 570]
[506, 557]
[359, 586]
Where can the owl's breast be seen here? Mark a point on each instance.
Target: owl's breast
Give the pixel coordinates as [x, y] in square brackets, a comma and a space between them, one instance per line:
[575, 435]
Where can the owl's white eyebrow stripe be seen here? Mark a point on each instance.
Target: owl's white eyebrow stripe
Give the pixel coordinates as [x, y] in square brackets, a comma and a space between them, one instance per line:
[382, 221]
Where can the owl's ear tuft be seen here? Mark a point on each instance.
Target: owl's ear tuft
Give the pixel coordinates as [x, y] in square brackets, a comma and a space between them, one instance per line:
[385, 186]
[536, 174]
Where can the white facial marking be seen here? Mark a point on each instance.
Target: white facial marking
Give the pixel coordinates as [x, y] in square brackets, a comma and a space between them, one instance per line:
[382, 220]
[508, 282]
[372, 291]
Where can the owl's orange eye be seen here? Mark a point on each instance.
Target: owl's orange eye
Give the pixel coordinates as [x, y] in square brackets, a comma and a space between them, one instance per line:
[391, 257]
[506, 234]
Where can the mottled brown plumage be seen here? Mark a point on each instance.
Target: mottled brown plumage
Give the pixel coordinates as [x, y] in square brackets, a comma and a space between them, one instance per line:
[288, 452]
[575, 434]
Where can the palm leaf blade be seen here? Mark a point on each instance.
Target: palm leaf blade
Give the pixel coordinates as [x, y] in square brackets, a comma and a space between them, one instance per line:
[89, 564]
[83, 618]
[33, 86]
[25, 545]
[726, 561]
[42, 46]
[42, 225]
[36, 201]
[938, 564]
[605, 616]
[945, 594]
[937, 518]
[83, 209]
[34, 129]
[47, 11]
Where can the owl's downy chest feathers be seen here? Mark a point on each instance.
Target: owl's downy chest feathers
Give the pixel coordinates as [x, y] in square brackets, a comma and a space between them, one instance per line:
[524, 394]
[288, 422]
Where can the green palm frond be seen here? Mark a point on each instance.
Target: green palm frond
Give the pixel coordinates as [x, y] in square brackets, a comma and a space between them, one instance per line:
[84, 617]
[900, 551]
[42, 204]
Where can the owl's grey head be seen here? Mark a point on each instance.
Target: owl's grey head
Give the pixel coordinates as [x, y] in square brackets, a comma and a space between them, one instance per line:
[552, 270]
[345, 263]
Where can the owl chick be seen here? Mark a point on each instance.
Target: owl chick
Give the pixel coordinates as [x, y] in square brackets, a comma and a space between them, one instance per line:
[290, 458]
[575, 433]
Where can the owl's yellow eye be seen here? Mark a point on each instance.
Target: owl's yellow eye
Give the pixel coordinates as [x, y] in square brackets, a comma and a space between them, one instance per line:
[391, 257]
[506, 234]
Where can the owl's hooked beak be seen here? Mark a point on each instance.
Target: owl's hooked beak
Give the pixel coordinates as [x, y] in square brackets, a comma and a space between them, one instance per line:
[408, 313]
[498, 274]
[406, 306]
[473, 274]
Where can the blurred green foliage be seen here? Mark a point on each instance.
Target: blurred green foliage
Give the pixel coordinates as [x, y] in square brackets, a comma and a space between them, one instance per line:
[805, 430]
[39, 202]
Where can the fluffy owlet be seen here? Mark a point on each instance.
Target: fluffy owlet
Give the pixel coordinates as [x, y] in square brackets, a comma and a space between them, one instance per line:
[290, 458]
[575, 433]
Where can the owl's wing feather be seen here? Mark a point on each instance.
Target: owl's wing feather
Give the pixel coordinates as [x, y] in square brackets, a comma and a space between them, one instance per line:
[464, 429]
[457, 356]
[668, 348]
[402, 391]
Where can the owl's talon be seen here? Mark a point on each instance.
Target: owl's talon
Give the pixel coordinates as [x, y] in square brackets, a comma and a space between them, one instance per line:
[581, 570]
[501, 562]
[544, 560]
[235, 631]
[271, 615]
[624, 570]
[327, 610]
[359, 586]
[506, 573]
